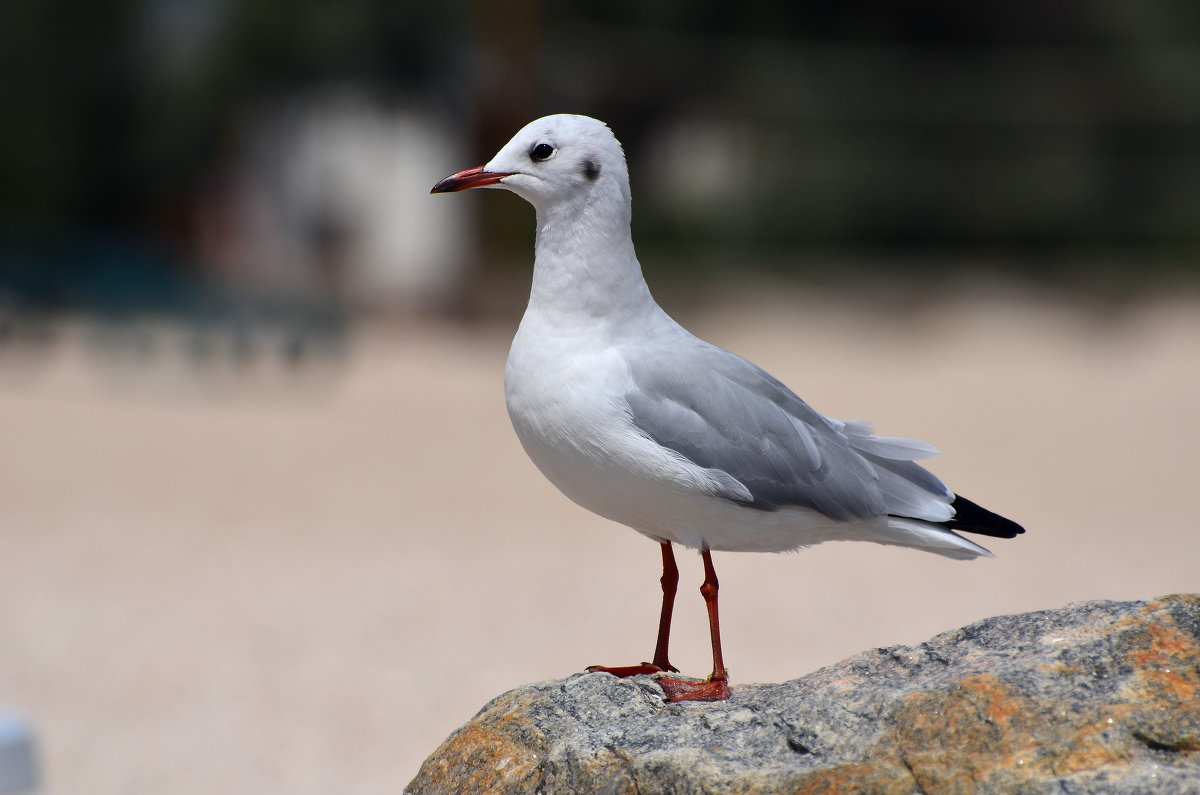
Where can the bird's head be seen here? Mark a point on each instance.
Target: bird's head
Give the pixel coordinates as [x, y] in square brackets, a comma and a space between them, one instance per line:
[555, 159]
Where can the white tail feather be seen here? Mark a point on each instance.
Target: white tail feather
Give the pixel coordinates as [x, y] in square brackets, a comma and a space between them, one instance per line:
[931, 538]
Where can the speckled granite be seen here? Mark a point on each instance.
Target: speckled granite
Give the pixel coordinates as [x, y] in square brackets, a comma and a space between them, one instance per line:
[1094, 697]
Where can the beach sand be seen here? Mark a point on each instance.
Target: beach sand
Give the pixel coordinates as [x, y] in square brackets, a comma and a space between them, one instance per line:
[301, 584]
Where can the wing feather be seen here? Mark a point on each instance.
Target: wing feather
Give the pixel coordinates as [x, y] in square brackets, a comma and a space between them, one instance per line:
[729, 416]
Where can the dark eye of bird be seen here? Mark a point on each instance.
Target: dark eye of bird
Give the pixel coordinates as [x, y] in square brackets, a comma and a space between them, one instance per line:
[541, 152]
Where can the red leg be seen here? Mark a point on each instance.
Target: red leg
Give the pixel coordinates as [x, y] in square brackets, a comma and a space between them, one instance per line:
[670, 583]
[717, 686]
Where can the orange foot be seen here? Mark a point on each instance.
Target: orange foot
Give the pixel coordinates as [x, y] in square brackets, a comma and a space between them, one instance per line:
[685, 690]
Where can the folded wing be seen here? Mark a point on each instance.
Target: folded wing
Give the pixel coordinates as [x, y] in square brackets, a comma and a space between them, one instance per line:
[728, 416]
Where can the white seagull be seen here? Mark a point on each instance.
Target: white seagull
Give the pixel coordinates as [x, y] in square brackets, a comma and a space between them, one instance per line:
[639, 421]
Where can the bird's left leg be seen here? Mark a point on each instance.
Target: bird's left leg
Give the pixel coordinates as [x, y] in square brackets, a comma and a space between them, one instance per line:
[661, 663]
[670, 583]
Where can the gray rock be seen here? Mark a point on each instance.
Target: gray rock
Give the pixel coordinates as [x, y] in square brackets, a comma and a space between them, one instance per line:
[1093, 697]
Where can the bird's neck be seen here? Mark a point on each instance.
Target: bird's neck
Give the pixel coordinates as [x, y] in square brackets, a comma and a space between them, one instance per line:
[585, 265]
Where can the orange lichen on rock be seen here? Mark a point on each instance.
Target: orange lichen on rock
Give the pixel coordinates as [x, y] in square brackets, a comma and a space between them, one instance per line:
[877, 779]
[487, 755]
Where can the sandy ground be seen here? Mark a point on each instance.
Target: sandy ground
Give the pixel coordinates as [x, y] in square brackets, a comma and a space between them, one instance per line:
[220, 584]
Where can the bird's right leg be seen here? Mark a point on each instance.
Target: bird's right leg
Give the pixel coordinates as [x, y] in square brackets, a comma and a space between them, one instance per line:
[716, 687]
[661, 663]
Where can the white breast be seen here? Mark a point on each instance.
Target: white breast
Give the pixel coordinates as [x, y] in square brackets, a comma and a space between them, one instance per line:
[565, 397]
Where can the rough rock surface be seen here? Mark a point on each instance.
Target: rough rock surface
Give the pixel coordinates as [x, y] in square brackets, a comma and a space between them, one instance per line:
[1093, 697]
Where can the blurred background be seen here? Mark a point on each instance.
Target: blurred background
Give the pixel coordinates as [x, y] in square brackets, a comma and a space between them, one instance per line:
[263, 523]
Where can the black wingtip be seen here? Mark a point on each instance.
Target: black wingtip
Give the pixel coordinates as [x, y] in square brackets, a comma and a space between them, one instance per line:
[971, 518]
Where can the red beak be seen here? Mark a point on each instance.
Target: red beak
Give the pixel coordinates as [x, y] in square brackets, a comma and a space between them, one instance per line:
[471, 178]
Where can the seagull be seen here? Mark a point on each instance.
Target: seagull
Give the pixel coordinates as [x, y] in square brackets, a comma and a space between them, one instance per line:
[637, 420]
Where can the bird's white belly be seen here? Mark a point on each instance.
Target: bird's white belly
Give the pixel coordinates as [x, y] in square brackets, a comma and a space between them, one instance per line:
[573, 423]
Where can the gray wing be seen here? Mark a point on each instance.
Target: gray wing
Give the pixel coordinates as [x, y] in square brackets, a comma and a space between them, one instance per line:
[725, 414]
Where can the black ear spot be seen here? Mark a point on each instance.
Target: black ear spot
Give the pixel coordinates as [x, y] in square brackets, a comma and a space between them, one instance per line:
[591, 170]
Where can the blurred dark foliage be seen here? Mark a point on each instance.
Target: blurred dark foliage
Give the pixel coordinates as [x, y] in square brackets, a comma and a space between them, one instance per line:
[119, 113]
[1047, 137]
[117, 110]
[1015, 132]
